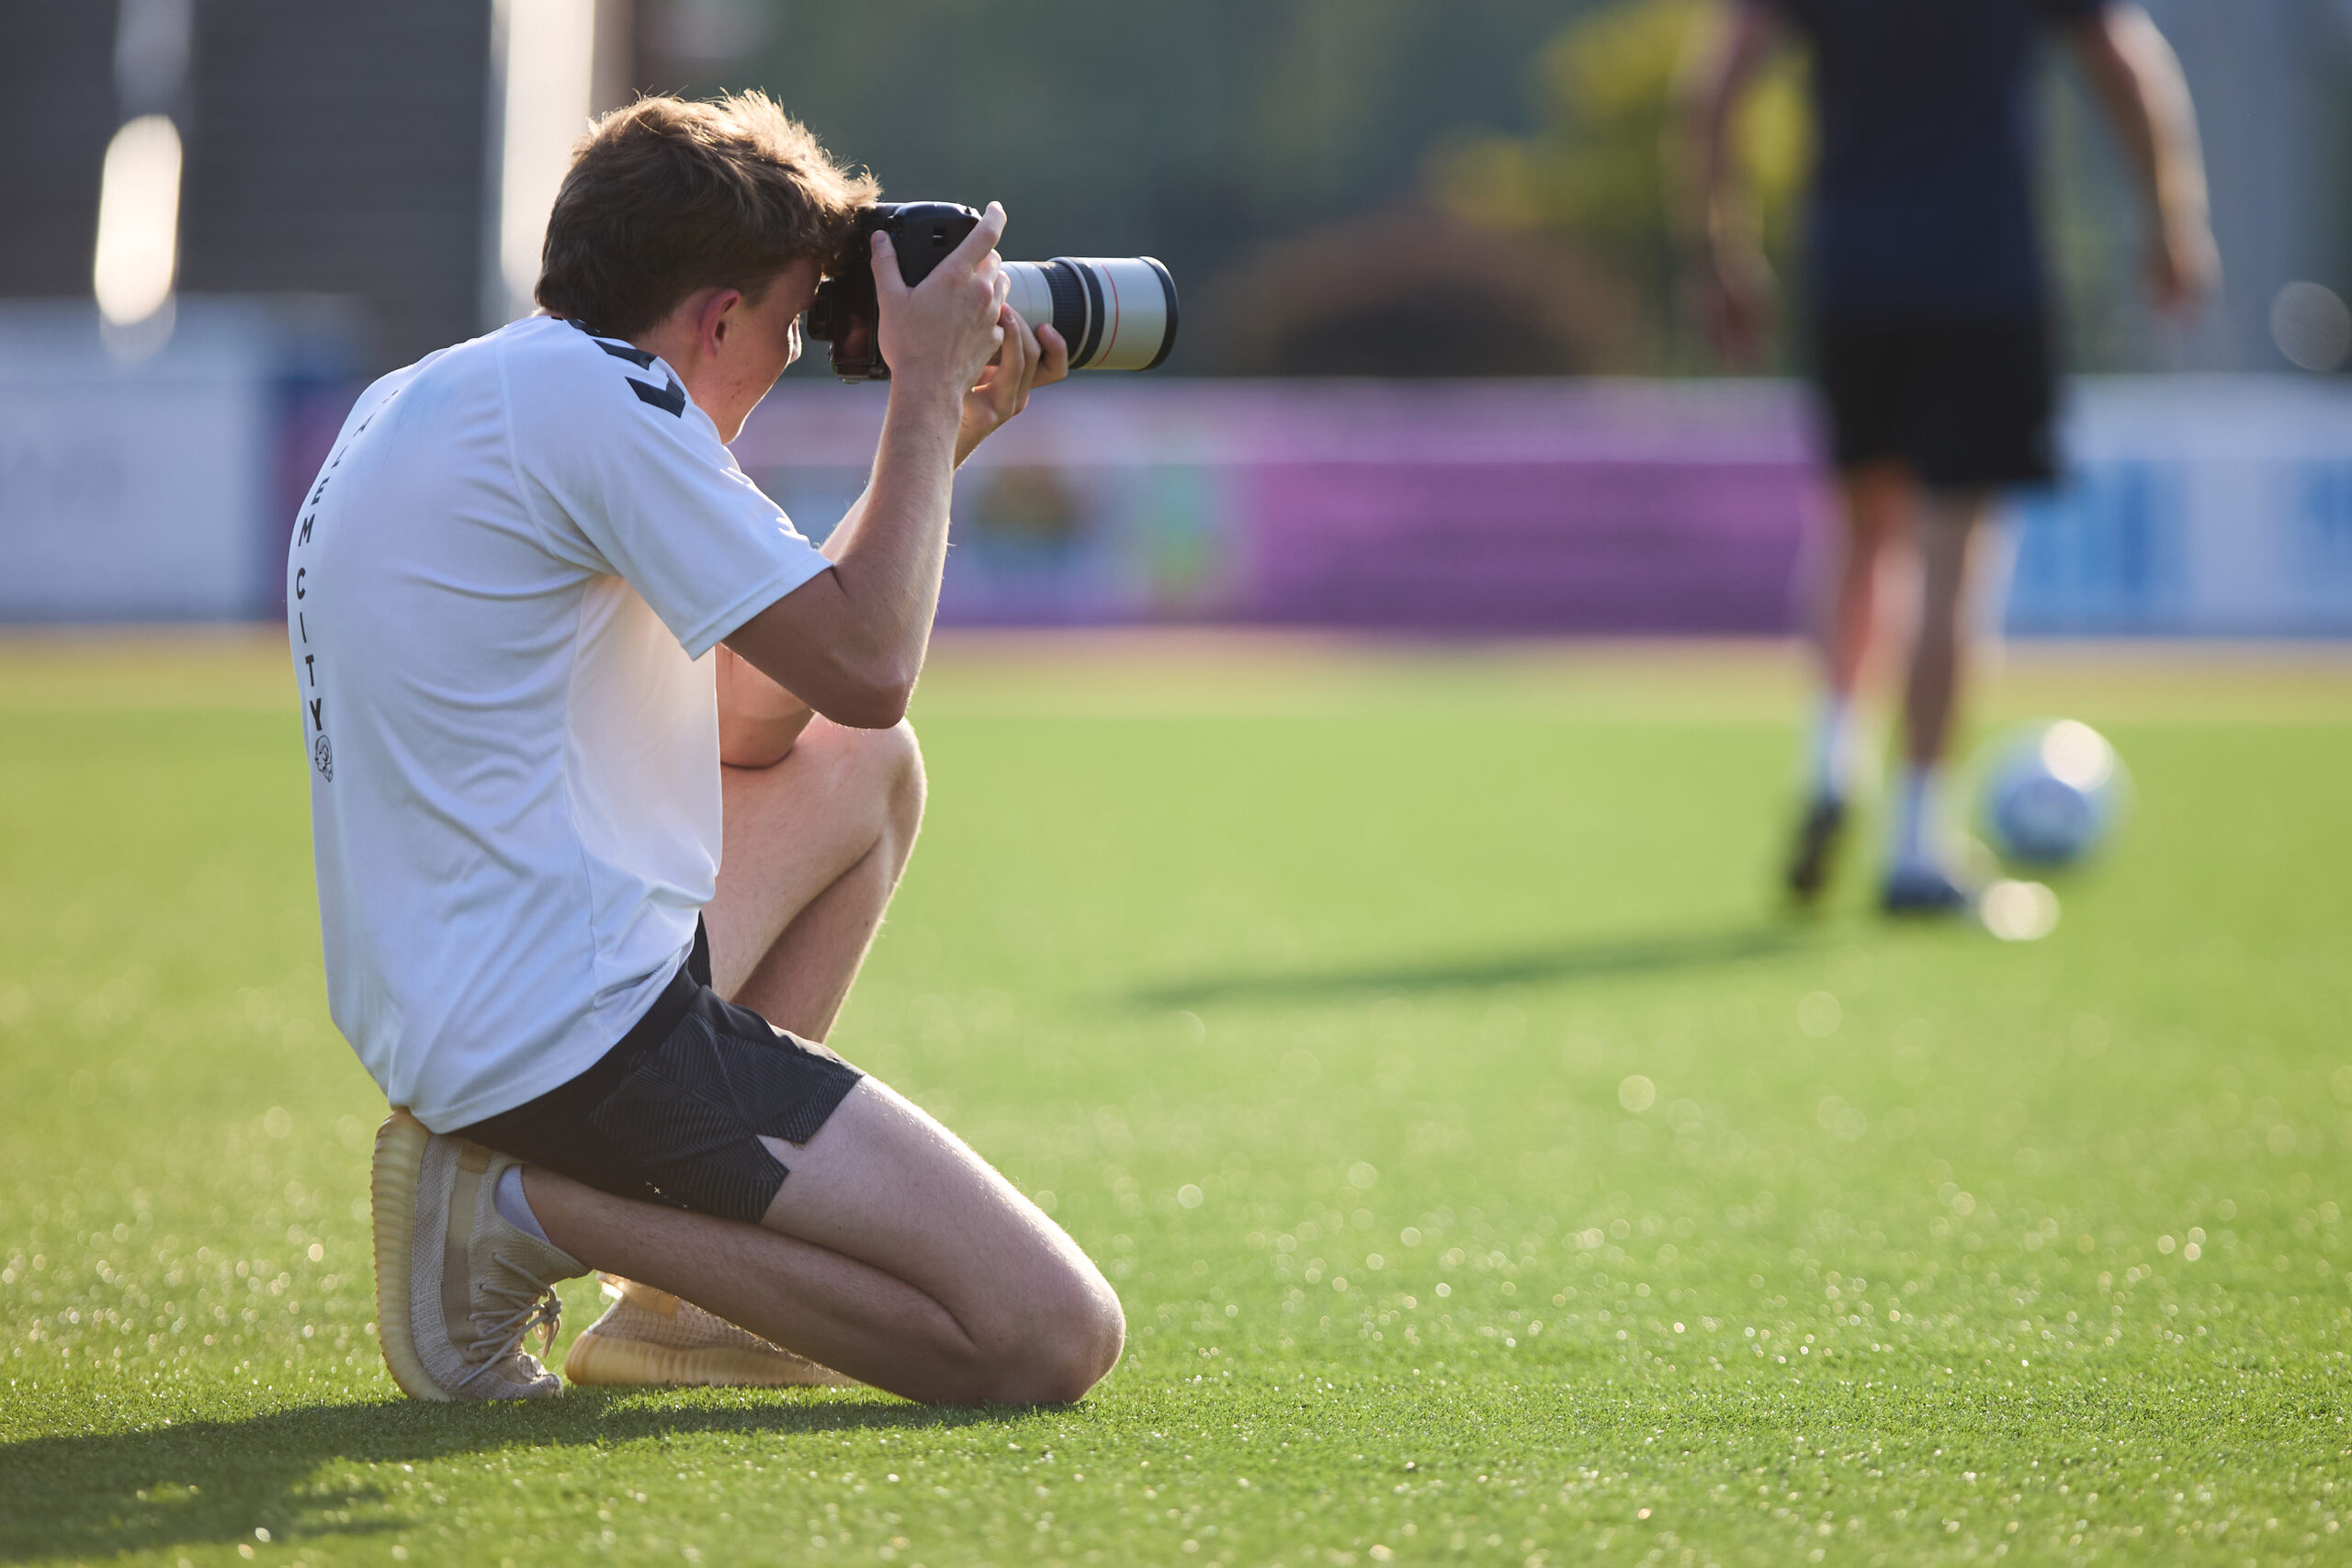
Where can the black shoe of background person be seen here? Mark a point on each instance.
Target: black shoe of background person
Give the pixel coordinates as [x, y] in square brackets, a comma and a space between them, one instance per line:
[1817, 849]
[1924, 890]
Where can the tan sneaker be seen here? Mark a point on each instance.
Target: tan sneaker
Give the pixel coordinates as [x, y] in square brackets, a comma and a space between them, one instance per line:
[652, 1336]
[458, 1287]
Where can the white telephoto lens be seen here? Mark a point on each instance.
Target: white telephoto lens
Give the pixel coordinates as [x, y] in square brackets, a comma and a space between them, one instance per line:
[1033, 294]
[1117, 313]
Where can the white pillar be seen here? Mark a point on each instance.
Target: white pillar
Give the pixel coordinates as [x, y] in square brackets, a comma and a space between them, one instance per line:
[543, 92]
[135, 259]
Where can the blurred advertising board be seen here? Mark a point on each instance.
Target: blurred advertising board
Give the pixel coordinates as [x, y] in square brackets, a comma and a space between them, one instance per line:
[1460, 508]
[164, 489]
[2211, 506]
[2197, 505]
[157, 482]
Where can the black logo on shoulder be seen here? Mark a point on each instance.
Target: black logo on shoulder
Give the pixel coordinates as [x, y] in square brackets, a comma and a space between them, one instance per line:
[323, 758]
[671, 399]
[636, 356]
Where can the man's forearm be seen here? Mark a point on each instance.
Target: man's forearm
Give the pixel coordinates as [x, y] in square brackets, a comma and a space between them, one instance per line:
[1722, 54]
[850, 641]
[896, 550]
[2139, 81]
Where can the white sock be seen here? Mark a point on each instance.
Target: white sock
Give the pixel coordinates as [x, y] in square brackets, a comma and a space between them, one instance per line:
[514, 1208]
[1832, 757]
[1914, 845]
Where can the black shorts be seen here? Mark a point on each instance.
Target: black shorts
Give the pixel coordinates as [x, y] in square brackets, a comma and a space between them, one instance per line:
[673, 1114]
[1965, 404]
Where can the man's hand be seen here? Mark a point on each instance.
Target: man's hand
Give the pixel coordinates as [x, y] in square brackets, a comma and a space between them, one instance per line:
[2184, 266]
[1736, 303]
[1733, 285]
[1027, 360]
[945, 330]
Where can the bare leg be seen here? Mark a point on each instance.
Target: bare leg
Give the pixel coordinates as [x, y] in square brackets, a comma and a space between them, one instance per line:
[892, 1253]
[1919, 878]
[815, 847]
[1947, 533]
[1875, 523]
[1877, 505]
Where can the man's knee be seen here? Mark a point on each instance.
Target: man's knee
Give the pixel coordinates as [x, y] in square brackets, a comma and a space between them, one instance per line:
[871, 768]
[1069, 1342]
[902, 764]
[889, 762]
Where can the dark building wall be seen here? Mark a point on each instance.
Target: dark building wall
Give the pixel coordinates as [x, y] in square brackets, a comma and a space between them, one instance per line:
[339, 150]
[56, 112]
[332, 150]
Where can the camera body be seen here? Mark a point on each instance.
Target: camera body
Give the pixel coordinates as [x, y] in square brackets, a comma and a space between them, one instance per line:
[1115, 313]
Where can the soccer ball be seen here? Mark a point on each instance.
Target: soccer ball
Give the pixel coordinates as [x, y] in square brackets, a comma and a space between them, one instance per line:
[2054, 795]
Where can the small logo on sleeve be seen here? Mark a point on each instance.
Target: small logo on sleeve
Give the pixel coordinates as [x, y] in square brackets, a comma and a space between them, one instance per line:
[671, 399]
[323, 758]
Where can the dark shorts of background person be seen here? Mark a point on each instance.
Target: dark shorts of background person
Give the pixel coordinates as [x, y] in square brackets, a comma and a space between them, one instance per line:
[1965, 403]
[673, 1114]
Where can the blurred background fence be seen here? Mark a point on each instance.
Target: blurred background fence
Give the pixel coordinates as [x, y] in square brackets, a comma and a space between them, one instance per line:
[1436, 373]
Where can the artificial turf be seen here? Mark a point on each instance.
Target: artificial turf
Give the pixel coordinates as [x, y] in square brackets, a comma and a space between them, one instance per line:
[1489, 1174]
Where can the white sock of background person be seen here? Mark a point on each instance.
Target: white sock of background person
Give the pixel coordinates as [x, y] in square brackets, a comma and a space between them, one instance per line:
[1915, 847]
[1833, 758]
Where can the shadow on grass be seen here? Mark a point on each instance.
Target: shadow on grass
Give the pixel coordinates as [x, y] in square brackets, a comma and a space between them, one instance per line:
[1573, 960]
[216, 1482]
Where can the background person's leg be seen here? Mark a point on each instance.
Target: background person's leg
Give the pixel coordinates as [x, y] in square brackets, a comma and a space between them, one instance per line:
[815, 846]
[1951, 524]
[1877, 506]
[892, 1253]
[1874, 521]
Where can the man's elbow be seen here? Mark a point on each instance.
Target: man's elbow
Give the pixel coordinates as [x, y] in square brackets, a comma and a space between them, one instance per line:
[874, 701]
[2110, 48]
[880, 711]
[861, 690]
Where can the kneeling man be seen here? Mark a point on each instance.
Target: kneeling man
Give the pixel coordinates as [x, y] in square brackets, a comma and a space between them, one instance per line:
[595, 878]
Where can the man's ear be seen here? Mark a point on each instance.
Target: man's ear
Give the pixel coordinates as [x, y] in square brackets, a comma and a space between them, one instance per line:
[711, 326]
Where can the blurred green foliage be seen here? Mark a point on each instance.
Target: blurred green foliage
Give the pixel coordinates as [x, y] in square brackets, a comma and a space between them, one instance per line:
[1597, 169]
[1446, 167]
[1211, 134]
[1195, 133]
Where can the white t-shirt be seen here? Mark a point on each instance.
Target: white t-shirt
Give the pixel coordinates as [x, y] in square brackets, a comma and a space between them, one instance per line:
[501, 596]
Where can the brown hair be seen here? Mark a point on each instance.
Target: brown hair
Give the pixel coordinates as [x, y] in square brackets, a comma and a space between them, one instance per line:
[669, 195]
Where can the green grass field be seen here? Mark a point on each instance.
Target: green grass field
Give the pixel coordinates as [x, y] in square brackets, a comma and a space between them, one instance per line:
[1490, 1175]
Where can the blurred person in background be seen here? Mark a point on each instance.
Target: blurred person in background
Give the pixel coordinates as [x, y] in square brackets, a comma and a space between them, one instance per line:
[610, 789]
[1930, 343]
